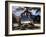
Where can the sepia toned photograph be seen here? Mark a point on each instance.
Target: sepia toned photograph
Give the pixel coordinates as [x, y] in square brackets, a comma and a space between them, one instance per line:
[24, 18]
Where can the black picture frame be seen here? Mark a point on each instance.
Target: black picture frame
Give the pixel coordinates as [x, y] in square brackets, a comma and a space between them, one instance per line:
[6, 18]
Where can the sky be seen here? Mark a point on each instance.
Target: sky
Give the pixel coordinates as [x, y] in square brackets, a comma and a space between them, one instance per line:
[18, 12]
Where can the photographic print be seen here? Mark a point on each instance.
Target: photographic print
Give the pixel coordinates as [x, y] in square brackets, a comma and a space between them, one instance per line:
[24, 18]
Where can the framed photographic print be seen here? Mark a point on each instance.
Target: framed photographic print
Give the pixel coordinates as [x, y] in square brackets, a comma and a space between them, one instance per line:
[24, 18]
